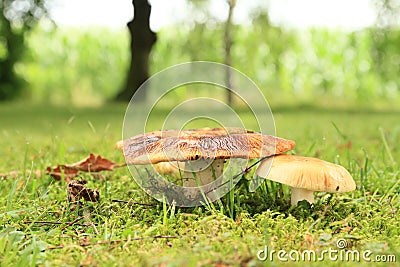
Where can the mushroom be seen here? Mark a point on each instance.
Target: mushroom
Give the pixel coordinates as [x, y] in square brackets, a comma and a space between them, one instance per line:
[203, 150]
[305, 175]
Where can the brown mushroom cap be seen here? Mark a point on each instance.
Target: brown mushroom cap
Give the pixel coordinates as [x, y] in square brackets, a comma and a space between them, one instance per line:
[217, 143]
[151, 136]
[307, 173]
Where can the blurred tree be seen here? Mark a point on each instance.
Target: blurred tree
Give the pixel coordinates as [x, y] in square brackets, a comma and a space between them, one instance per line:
[204, 28]
[142, 41]
[203, 19]
[17, 18]
[228, 44]
[386, 43]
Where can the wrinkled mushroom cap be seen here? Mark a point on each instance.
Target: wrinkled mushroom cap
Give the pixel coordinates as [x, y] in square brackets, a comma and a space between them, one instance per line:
[217, 143]
[307, 173]
[148, 137]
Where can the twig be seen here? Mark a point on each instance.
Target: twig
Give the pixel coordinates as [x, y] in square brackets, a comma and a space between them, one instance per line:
[105, 242]
[133, 203]
[59, 223]
[73, 222]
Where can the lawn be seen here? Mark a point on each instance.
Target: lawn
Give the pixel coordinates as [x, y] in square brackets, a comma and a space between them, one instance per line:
[39, 226]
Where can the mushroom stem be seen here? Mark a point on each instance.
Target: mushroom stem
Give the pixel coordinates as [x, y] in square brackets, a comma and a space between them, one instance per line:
[203, 171]
[299, 194]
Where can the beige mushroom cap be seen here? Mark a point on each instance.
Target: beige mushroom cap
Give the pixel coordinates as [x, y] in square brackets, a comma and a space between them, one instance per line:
[217, 143]
[307, 173]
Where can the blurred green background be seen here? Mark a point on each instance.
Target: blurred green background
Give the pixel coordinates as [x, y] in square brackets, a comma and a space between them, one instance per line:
[87, 65]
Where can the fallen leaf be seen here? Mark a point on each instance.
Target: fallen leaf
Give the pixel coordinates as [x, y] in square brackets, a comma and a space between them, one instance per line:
[94, 164]
[77, 190]
[58, 171]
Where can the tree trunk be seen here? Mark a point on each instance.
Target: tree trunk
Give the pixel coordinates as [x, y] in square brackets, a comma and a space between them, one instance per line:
[228, 45]
[10, 83]
[142, 41]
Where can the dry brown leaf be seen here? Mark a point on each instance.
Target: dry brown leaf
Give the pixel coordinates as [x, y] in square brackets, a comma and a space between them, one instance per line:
[58, 171]
[77, 190]
[94, 164]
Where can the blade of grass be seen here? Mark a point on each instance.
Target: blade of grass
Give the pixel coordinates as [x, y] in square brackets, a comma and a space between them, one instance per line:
[386, 145]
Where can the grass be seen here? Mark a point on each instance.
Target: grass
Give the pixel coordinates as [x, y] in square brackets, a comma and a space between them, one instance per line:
[228, 232]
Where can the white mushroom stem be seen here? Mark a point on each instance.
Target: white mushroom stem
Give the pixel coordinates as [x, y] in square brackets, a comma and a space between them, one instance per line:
[203, 171]
[299, 194]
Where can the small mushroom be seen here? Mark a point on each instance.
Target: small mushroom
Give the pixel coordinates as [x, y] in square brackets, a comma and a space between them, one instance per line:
[203, 150]
[305, 175]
